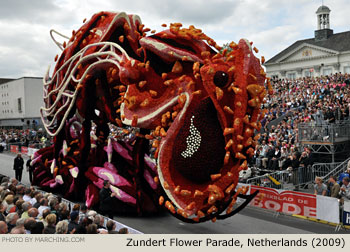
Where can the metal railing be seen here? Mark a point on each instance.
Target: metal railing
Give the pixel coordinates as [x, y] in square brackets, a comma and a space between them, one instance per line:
[322, 169]
[335, 132]
[277, 179]
[341, 167]
[301, 176]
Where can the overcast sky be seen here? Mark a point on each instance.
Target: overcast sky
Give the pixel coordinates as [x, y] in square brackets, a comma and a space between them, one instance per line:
[26, 48]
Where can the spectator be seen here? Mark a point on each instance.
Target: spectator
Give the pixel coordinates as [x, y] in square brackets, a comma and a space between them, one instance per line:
[46, 212]
[273, 161]
[29, 225]
[64, 215]
[38, 198]
[9, 202]
[3, 227]
[27, 194]
[38, 228]
[62, 227]
[73, 225]
[33, 212]
[111, 227]
[82, 213]
[91, 229]
[25, 207]
[334, 187]
[20, 223]
[51, 222]
[18, 167]
[18, 207]
[99, 221]
[2, 211]
[11, 220]
[18, 230]
[123, 231]
[30, 169]
[319, 187]
[345, 189]
[43, 206]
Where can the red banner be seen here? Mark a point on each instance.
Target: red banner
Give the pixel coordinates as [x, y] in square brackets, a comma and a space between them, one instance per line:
[24, 150]
[288, 202]
[14, 148]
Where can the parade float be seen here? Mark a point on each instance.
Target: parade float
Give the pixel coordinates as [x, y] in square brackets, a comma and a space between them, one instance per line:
[169, 118]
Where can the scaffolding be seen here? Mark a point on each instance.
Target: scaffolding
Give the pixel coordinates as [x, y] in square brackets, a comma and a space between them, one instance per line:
[326, 139]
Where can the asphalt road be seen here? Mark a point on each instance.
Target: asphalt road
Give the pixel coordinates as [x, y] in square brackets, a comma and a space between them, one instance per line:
[250, 220]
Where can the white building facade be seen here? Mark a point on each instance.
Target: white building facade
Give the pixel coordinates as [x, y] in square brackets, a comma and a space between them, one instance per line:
[20, 101]
[325, 54]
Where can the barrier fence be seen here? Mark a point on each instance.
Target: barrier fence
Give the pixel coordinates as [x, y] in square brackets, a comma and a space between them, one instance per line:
[284, 179]
[341, 167]
[322, 169]
[314, 207]
[301, 176]
[29, 151]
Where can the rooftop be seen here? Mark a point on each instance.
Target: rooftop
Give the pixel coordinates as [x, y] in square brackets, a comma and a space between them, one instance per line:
[338, 42]
[323, 9]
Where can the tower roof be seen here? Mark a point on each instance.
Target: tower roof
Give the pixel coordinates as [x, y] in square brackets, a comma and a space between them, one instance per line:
[322, 9]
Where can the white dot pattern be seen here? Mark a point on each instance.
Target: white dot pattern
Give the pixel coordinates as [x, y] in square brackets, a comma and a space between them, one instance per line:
[193, 141]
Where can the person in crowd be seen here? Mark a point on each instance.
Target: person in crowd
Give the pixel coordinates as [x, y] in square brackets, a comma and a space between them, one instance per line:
[320, 188]
[62, 227]
[27, 195]
[345, 189]
[3, 227]
[18, 167]
[64, 215]
[123, 231]
[105, 197]
[33, 212]
[91, 229]
[73, 224]
[343, 175]
[46, 212]
[30, 169]
[44, 205]
[274, 158]
[11, 220]
[18, 207]
[9, 202]
[29, 225]
[20, 223]
[38, 228]
[111, 227]
[2, 211]
[53, 204]
[82, 212]
[99, 221]
[51, 224]
[38, 198]
[18, 230]
[334, 187]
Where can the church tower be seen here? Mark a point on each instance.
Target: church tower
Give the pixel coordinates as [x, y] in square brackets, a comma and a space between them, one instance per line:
[323, 31]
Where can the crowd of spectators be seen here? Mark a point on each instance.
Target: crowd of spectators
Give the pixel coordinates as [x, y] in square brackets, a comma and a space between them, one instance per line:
[25, 210]
[28, 138]
[318, 101]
